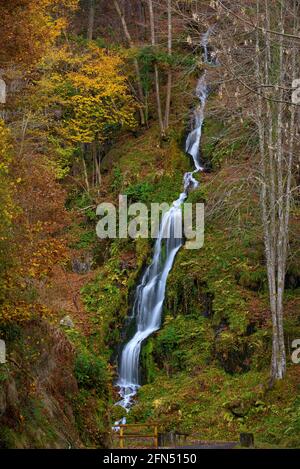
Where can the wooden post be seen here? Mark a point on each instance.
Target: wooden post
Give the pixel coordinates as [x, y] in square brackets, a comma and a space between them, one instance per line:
[247, 440]
[121, 437]
[155, 437]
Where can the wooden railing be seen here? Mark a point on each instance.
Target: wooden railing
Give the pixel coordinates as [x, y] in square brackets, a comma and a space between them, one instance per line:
[135, 434]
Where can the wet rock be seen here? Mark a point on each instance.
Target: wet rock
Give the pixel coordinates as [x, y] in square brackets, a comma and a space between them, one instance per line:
[292, 281]
[239, 408]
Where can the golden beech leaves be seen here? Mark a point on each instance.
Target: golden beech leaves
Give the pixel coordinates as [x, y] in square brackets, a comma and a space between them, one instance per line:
[21, 312]
[93, 93]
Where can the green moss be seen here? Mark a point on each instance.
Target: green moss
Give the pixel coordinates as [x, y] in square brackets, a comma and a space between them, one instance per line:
[107, 296]
[87, 239]
[147, 363]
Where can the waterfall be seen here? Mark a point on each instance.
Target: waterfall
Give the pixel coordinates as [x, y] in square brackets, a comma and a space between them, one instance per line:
[204, 42]
[192, 146]
[149, 298]
[209, 57]
[150, 293]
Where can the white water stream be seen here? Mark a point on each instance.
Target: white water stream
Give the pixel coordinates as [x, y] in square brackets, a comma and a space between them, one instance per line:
[150, 293]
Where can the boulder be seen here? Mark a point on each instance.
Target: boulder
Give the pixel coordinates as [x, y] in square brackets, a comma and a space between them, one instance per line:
[67, 322]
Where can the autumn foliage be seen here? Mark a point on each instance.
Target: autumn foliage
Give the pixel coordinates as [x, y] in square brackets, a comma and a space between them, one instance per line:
[28, 27]
[70, 94]
[88, 85]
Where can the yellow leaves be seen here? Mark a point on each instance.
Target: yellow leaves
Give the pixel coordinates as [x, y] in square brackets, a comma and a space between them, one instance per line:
[58, 4]
[6, 203]
[22, 312]
[157, 403]
[48, 253]
[89, 86]
[5, 146]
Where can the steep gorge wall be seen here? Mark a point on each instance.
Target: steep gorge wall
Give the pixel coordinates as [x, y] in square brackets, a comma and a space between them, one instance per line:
[39, 393]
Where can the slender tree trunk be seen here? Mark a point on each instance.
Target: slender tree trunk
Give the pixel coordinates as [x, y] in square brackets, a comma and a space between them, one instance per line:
[135, 62]
[169, 84]
[270, 180]
[276, 119]
[143, 19]
[156, 74]
[85, 173]
[91, 20]
[282, 235]
[97, 163]
[158, 102]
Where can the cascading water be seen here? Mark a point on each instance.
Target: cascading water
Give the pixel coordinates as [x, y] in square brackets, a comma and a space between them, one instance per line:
[149, 298]
[150, 293]
[204, 42]
[209, 57]
[192, 145]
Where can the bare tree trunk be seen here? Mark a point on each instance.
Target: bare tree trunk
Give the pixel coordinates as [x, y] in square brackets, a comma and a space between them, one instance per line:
[277, 65]
[282, 235]
[275, 117]
[156, 74]
[86, 178]
[169, 84]
[135, 62]
[96, 163]
[91, 20]
[143, 19]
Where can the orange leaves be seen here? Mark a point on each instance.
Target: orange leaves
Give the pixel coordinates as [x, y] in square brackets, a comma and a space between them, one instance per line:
[29, 27]
[40, 196]
[39, 227]
[39, 251]
[48, 253]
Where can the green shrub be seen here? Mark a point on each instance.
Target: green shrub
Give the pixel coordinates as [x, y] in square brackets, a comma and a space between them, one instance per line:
[117, 181]
[140, 192]
[91, 371]
[10, 332]
[86, 239]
